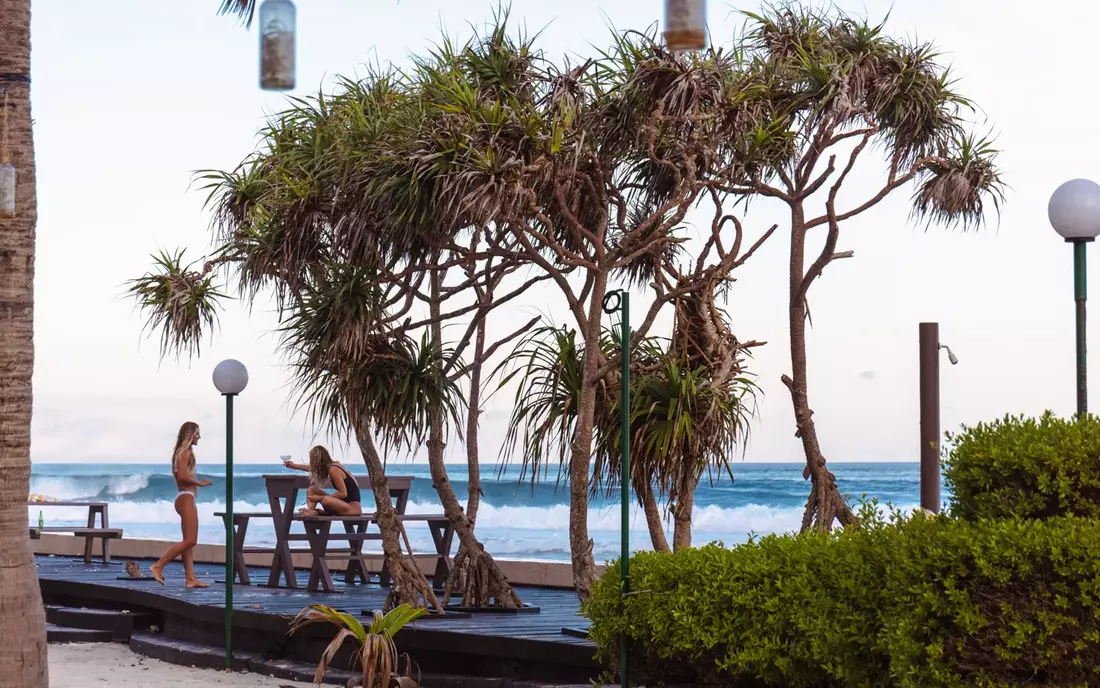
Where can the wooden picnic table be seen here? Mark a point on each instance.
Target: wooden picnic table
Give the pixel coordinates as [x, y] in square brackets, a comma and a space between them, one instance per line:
[282, 492]
[282, 495]
[104, 533]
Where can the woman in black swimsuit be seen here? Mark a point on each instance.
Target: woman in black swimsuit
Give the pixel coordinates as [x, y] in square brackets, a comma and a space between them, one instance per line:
[344, 500]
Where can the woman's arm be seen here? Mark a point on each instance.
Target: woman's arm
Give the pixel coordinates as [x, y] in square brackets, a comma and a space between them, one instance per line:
[296, 466]
[337, 477]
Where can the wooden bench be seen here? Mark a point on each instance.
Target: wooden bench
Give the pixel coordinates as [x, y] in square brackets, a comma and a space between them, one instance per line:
[319, 534]
[90, 533]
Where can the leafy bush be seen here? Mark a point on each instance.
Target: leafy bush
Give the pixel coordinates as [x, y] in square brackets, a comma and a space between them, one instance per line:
[1025, 468]
[918, 603]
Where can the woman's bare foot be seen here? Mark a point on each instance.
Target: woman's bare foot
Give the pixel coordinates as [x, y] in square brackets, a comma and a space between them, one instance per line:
[196, 583]
[158, 573]
[309, 512]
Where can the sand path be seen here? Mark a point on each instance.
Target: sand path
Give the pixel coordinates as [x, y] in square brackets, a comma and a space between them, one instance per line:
[93, 664]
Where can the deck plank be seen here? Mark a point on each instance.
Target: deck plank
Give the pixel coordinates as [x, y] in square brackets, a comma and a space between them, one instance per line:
[558, 608]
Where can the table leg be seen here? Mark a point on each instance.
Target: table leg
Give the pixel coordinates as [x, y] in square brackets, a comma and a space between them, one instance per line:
[105, 523]
[318, 532]
[89, 540]
[442, 535]
[238, 550]
[355, 566]
[402, 496]
[282, 564]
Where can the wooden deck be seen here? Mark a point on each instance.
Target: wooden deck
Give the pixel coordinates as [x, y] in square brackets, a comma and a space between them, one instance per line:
[528, 646]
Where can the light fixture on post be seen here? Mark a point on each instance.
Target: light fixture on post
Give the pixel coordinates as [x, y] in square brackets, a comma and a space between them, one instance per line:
[277, 45]
[230, 378]
[685, 24]
[1074, 212]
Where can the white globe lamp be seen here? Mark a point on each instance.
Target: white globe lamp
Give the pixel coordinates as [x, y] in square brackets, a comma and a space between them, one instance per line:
[1074, 212]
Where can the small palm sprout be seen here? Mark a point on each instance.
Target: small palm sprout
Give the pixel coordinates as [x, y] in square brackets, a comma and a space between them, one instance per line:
[376, 651]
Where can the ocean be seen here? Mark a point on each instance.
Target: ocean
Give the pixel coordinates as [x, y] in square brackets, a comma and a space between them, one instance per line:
[515, 521]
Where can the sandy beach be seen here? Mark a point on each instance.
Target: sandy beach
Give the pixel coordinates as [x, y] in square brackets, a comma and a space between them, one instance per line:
[80, 666]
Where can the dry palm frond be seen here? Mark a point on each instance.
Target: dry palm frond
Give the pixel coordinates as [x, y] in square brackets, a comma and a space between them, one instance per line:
[549, 366]
[347, 364]
[375, 651]
[179, 301]
[953, 190]
[244, 9]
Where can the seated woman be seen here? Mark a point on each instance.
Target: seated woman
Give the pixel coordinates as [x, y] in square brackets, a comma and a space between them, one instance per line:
[345, 498]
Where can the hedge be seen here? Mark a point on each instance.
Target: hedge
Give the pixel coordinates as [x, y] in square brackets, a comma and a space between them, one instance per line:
[1025, 468]
[919, 603]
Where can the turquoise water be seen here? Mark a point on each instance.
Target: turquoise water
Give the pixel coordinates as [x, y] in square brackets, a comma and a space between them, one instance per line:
[515, 521]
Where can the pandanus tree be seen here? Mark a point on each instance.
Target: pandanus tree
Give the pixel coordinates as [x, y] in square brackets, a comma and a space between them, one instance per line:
[691, 409]
[588, 172]
[306, 215]
[838, 87]
[689, 415]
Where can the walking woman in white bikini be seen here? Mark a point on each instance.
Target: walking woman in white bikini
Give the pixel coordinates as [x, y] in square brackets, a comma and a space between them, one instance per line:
[183, 470]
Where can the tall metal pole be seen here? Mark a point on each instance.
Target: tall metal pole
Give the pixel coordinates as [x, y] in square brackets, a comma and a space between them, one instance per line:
[1079, 292]
[930, 416]
[624, 472]
[619, 300]
[229, 549]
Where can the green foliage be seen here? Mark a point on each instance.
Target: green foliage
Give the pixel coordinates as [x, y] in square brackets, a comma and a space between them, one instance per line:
[375, 651]
[917, 603]
[1021, 467]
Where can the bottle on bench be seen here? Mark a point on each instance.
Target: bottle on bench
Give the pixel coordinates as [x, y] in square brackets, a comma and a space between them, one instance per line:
[41, 523]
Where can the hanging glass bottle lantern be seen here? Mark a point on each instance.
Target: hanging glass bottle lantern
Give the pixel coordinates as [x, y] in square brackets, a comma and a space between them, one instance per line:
[277, 19]
[7, 189]
[686, 24]
[7, 172]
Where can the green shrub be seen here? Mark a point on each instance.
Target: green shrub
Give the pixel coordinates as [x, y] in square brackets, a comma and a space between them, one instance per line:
[928, 602]
[1025, 468]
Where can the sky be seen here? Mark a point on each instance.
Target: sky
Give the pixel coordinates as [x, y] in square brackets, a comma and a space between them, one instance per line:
[130, 97]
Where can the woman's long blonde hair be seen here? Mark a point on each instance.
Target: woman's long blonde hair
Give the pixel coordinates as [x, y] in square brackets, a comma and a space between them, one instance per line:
[319, 463]
[183, 441]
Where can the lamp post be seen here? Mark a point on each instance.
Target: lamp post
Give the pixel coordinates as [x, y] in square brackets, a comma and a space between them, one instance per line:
[930, 414]
[230, 378]
[1074, 212]
[619, 300]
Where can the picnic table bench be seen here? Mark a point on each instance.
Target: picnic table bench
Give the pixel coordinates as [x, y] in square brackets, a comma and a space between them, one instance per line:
[283, 491]
[319, 534]
[90, 533]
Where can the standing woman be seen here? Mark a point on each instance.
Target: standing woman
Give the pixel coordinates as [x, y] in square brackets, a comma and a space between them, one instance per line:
[183, 470]
[345, 498]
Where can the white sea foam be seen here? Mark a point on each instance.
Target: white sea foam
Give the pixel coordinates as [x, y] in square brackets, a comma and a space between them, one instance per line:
[79, 487]
[709, 519]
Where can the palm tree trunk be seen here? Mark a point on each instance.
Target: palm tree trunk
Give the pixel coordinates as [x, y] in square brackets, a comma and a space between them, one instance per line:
[580, 545]
[825, 503]
[22, 618]
[481, 583]
[408, 585]
[682, 513]
[473, 419]
[653, 517]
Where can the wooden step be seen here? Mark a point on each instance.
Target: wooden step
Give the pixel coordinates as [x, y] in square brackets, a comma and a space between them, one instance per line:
[119, 623]
[186, 653]
[65, 634]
